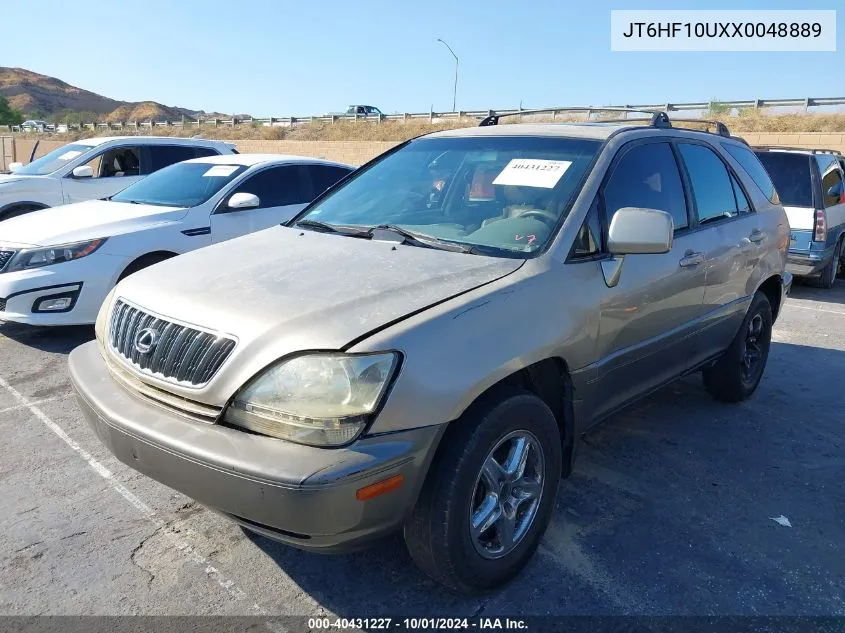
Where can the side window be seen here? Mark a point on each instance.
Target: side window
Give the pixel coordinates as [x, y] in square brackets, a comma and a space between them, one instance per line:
[588, 242]
[202, 152]
[742, 202]
[832, 192]
[752, 165]
[711, 183]
[647, 176]
[165, 155]
[277, 187]
[324, 176]
[117, 162]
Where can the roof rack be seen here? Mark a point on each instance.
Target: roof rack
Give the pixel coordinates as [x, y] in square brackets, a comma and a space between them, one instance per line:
[658, 118]
[835, 152]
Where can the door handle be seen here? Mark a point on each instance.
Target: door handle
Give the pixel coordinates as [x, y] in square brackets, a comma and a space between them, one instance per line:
[756, 236]
[691, 258]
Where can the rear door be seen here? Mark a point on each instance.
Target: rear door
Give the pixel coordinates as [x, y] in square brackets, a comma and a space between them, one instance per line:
[282, 192]
[648, 322]
[731, 239]
[155, 157]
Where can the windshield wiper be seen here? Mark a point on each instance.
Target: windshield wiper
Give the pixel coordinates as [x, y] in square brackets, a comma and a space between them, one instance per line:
[422, 239]
[353, 231]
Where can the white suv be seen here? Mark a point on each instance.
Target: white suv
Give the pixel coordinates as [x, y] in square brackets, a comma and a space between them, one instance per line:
[94, 168]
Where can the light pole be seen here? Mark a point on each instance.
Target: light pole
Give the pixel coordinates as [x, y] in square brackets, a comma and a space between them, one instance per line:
[455, 92]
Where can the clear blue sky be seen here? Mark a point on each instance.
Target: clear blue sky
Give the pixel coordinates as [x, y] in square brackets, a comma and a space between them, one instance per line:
[274, 57]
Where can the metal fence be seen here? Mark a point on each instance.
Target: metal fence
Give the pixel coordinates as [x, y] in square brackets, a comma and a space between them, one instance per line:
[434, 117]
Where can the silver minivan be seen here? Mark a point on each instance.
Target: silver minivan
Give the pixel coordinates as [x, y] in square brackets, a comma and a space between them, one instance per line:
[422, 347]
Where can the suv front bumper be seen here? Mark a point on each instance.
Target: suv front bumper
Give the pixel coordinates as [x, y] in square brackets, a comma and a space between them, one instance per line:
[300, 495]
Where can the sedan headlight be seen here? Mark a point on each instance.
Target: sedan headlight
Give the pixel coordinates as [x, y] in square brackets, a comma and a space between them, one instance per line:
[316, 399]
[38, 257]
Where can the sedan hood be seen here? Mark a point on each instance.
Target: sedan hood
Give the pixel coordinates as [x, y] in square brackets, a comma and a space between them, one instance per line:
[284, 290]
[83, 221]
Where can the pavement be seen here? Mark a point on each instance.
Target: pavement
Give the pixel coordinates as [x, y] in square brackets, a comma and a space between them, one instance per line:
[669, 512]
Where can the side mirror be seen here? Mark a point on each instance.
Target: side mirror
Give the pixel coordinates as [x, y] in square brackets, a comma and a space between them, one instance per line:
[243, 201]
[635, 231]
[13, 167]
[83, 171]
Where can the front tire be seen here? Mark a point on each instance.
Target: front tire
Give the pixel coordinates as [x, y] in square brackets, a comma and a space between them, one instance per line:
[736, 375]
[489, 494]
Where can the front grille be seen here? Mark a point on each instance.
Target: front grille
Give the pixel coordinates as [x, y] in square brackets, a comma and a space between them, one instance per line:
[2, 305]
[5, 257]
[179, 353]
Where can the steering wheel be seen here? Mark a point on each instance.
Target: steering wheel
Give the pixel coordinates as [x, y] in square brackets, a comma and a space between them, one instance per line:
[543, 215]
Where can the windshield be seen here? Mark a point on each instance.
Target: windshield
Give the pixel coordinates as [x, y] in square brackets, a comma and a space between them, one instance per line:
[791, 175]
[505, 193]
[56, 159]
[180, 185]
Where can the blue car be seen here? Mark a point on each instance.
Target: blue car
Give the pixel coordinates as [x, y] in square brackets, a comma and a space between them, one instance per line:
[811, 186]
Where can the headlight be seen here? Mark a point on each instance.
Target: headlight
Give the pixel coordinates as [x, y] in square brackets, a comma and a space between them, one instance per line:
[317, 399]
[37, 257]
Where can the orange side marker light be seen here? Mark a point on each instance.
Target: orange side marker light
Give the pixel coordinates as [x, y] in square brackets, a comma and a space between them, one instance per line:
[379, 488]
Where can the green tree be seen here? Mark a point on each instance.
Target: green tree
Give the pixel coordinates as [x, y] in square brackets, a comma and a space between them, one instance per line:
[8, 115]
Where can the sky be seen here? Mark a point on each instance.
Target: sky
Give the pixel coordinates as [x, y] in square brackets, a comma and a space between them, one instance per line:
[281, 58]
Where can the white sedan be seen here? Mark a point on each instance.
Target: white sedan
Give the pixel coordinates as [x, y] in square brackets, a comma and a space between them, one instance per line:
[57, 265]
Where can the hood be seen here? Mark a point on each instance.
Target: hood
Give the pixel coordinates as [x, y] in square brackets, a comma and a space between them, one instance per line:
[283, 290]
[82, 221]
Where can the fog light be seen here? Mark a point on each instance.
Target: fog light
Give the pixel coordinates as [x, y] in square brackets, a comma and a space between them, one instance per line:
[54, 305]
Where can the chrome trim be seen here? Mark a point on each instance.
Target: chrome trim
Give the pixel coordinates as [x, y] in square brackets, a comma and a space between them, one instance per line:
[184, 354]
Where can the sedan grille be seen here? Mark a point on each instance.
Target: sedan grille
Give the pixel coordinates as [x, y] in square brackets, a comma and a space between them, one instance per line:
[160, 347]
[5, 257]
[2, 305]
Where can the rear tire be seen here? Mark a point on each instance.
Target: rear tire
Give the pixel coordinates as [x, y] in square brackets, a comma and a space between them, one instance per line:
[828, 275]
[464, 487]
[736, 375]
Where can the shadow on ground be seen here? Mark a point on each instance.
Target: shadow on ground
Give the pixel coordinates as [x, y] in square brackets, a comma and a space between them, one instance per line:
[669, 511]
[57, 340]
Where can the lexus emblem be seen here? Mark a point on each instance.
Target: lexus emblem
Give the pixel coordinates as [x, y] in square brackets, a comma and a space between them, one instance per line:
[146, 340]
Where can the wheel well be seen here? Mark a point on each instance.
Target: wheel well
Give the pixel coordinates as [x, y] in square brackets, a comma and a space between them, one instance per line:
[145, 260]
[10, 210]
[549, 380]
[771, 288]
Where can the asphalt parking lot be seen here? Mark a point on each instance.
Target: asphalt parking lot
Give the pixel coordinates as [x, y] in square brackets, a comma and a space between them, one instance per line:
[669, 511]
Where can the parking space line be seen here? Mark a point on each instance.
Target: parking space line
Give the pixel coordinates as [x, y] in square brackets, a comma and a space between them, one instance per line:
[34, 403]
[840, 313]
[211, 572]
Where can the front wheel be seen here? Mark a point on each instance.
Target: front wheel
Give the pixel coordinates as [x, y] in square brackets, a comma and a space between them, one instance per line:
[735, 376]
[489, 494]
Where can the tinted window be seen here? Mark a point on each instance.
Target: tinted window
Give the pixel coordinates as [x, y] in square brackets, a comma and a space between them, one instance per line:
[165, 155]
[711, 183]
[791, 175]
[202, 152]
[752, 165]
[741, 200]
[647, 176]
[588, 242]
[277, 187]
[832, 192]
[324, 176]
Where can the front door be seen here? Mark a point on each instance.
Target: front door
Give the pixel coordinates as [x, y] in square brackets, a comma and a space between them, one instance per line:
[649, 321]
[114, 169]
[282, 193]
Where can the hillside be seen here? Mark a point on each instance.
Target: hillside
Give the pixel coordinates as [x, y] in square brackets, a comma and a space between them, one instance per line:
[41, 96]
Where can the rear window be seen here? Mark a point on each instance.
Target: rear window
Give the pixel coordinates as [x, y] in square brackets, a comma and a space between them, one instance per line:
[791, 175]
[754, 168]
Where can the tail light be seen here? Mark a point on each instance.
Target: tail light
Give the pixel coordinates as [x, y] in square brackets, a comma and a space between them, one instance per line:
[820, 232]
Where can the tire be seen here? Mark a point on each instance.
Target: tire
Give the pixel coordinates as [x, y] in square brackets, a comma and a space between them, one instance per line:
[437, 533]
[14, 212]
[729, 379]
[828, 275]
[143, 262]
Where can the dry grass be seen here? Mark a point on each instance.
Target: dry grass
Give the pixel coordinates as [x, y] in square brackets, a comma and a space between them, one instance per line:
[745, 121]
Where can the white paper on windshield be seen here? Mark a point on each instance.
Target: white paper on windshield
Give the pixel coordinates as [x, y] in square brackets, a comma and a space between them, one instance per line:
[531, 172]
[220, 171]
[69, 155]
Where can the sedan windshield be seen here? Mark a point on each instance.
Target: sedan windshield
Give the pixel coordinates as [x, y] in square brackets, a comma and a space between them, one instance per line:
[56, 159]
[505, 195]
[180, 185]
